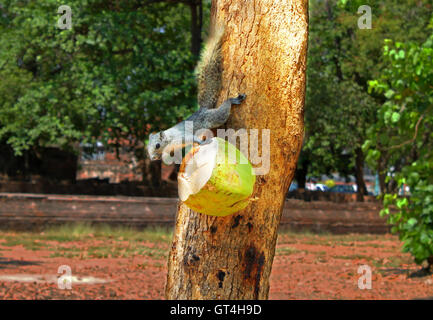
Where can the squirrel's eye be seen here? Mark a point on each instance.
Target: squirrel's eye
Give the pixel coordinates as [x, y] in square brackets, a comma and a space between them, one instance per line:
[157, 146]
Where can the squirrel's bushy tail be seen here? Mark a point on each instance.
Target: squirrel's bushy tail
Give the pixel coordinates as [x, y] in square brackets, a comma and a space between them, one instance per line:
[209, 70]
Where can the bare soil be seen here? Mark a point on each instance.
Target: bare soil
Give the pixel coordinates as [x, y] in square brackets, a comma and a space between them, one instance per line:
[306, 266]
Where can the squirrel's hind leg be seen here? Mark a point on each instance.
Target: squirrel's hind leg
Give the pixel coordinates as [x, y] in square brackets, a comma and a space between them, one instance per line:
[217, 117]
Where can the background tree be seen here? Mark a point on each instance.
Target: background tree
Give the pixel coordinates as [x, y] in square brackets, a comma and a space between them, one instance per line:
[342, 59]
[264, 56]
[403, 136]
[123, 70]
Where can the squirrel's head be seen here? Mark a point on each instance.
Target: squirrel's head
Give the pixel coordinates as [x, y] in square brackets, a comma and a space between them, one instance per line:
[157, 143]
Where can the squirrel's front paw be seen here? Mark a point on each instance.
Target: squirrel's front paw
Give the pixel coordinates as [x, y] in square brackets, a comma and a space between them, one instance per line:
[239, 99]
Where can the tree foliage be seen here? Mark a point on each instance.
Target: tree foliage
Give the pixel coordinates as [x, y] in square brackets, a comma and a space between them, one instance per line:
[402, 139]
[123, 70]
[342, 59]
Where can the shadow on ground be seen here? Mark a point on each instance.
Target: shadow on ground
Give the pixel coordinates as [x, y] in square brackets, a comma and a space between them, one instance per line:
[7, 263]
[424, 272]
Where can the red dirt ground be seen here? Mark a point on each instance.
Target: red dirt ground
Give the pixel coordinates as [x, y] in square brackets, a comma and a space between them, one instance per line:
[305, 267]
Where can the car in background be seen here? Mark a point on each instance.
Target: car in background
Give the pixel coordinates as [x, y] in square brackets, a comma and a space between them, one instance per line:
[293, 186]
[343, 188]
[321, 187]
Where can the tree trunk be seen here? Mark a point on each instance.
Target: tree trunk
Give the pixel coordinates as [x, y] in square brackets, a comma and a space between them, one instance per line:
[196, 8]
[301, 172]
[264, 56]
[359, 175]
[381, 164]
[151, 171]
[430, 264]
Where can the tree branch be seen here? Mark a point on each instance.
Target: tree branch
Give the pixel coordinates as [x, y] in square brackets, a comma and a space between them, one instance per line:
[414, 136]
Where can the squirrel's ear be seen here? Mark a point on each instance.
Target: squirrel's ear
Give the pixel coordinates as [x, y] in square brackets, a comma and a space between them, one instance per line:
[162, 135]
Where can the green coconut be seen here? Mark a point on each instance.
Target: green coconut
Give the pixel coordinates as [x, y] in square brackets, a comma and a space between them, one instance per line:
[216, 179]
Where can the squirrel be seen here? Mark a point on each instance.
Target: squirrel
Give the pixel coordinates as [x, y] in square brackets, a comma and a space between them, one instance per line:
[209, 76]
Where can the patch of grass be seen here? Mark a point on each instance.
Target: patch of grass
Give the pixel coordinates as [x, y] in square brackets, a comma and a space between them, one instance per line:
[65, 254]
[287, 236]
[85, 231]
[302, 233]
[318, 242]
[27, 243]
[393, 262]
[81, 231]
[328, 239]
[104, 241]
[354, 237]
[68, 232]
[319, 253]
[285, 251]
[145, 265]
[100, 241]
[117, 252]
[70, 252]
[112, 250]
[353, 257]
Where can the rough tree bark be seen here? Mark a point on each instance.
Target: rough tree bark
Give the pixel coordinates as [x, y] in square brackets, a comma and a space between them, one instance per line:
[264, 56]
[196, 8]
[359, 175]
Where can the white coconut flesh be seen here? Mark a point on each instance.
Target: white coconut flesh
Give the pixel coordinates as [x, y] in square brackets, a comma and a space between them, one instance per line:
[198, 170]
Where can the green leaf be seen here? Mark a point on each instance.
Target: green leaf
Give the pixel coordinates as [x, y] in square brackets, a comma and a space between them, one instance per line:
[402, 203]
[395, 117]
[389, 93]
